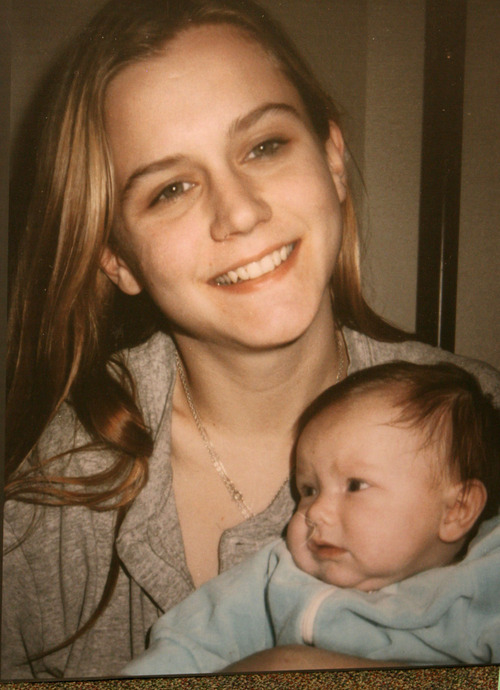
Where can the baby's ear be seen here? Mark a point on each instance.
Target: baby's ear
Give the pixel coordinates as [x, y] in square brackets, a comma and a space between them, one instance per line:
[465, 503]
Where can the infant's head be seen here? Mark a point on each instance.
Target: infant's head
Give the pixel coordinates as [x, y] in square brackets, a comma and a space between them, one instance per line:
[395, 467]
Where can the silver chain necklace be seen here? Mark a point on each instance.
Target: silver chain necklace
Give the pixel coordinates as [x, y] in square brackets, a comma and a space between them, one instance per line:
[236, 495]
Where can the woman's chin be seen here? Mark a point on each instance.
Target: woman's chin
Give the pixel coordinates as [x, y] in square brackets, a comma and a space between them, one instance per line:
[272, 334]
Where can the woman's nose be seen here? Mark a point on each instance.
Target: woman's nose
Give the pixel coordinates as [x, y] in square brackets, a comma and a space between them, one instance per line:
[238, 206]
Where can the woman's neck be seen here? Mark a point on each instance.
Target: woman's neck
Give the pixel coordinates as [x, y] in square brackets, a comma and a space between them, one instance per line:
[260, 391]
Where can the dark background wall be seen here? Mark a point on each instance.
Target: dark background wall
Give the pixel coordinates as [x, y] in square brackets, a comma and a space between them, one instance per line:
[370, 55]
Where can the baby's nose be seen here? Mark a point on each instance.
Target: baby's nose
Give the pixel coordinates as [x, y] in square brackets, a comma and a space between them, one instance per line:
[322, 510]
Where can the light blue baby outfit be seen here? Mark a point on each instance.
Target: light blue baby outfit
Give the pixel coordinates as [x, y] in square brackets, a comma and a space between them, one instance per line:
[447, 615]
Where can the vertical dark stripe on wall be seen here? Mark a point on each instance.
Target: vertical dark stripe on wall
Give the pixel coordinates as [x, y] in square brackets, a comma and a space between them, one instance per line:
[441, 170]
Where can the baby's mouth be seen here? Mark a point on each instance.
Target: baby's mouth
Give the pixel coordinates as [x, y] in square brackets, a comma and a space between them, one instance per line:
[324, 550]
[256, 269]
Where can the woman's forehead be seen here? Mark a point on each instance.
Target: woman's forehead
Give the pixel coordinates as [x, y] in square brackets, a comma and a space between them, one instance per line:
[204, 81]
[199, 53]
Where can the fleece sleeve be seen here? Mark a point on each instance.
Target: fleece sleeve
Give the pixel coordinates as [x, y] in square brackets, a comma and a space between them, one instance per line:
[223, 621]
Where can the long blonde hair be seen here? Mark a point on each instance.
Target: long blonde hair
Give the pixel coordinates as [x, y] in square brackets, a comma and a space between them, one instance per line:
[63, 325]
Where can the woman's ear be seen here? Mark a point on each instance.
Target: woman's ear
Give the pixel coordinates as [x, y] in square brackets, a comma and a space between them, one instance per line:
[118, 272]
[335, 150]
[465, 504]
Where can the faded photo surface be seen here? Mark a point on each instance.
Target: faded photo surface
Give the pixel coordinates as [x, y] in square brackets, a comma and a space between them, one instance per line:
[253, 355]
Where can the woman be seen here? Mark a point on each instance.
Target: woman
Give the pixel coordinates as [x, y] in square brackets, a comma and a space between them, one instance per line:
[192, 158]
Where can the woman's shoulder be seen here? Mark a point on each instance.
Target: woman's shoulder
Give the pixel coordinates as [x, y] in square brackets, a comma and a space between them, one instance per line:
[67, 442]
[366, 352]
[150, 358]
[152, 366]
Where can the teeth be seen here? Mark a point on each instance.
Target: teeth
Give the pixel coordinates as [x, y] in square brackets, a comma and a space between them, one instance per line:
[256, 269]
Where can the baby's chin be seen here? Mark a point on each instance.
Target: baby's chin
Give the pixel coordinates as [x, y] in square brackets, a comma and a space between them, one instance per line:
[368, 586]
[348, 581]
[332, 574]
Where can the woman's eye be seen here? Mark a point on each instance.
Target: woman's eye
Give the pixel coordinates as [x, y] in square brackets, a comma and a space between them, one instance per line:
[173, 191]
[266, 149]
[354, 484]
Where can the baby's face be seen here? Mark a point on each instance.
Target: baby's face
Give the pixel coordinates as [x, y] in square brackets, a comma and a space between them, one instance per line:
[371, 505]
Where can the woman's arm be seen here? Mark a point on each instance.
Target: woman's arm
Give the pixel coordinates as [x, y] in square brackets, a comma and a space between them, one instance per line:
[22, 630]
[301, 657]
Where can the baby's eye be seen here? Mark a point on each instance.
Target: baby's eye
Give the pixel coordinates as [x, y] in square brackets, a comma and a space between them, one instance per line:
[173, 191]
[306, 491]
[266, 149]
[354, 484]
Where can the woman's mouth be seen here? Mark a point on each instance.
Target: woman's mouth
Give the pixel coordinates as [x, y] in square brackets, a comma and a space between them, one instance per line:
[256, 269]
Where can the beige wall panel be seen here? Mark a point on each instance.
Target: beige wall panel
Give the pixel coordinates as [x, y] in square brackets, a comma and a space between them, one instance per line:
[478, 319]
[392, 155]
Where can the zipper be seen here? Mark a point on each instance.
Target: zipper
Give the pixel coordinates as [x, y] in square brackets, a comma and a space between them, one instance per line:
[309, 616]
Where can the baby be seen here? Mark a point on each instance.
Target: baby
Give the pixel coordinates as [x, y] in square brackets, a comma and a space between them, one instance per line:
[394, 550]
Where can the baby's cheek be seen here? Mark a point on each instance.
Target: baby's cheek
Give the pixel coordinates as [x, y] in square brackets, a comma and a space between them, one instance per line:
[296, 535]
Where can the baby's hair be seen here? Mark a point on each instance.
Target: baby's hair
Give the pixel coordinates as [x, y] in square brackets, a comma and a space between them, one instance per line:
[436, 398]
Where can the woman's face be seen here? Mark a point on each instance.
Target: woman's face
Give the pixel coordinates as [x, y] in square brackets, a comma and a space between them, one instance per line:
[228, 206]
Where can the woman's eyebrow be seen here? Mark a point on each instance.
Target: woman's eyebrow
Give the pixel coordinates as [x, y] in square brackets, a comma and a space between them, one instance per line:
[148, 169]
[251, 118]
[240, 124]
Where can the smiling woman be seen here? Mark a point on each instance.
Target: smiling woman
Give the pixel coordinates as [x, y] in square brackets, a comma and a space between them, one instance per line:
[250, 178]
[192, 159]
